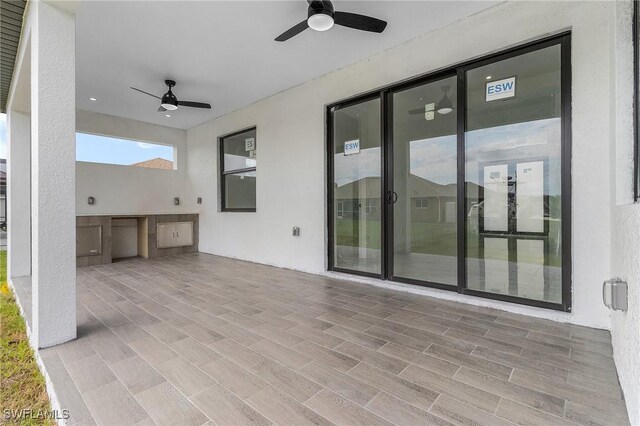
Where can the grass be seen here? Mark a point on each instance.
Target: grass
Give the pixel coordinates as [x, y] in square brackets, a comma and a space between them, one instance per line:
[435, 238]
[22, 387]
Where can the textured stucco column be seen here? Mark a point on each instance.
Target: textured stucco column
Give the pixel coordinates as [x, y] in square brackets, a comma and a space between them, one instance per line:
[53, 174]
[19, 194]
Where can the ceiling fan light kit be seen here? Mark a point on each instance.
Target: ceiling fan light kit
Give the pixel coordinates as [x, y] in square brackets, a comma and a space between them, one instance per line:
[445, 106]
[320, 22]
[445, 110]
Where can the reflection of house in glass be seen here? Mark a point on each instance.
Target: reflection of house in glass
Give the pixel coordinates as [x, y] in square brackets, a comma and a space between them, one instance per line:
[429, 202]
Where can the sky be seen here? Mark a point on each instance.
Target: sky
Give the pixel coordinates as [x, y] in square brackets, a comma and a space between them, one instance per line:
[435, 159]
[100, 149]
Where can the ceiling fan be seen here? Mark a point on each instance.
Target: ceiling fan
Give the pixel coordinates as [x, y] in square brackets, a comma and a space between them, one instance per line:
[321, 17]
[169, 102]
[444, 106]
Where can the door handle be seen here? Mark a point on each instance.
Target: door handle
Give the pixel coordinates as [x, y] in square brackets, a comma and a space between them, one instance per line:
[392, 197]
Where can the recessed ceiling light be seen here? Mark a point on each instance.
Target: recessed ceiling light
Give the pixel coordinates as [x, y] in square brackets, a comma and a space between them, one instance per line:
[488, 77]
[168, 115]
[92, 99]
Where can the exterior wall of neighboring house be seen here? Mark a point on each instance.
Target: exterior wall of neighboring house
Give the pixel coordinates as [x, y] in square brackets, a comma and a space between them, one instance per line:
[432, 209]
[292, 172]
[130, 189]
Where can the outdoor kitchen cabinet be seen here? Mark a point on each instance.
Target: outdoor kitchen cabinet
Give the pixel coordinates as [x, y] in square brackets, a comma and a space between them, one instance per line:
[99, 237]
[175, 234]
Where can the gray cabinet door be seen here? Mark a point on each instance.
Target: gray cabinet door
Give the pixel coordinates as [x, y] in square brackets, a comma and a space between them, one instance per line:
[174, 234]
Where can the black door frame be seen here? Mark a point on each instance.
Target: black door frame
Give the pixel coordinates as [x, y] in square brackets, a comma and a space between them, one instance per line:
[385, 94]
[330, 166]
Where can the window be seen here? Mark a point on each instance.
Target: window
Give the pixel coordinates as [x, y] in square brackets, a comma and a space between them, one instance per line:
[238, 171]
[422, 203]
[124, 152]
[340, 210]
[372, 205]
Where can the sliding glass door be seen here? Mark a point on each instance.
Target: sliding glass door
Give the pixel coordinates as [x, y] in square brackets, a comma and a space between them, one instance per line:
[425, 182]
[513, 149]
[357, 187]
[460, 180]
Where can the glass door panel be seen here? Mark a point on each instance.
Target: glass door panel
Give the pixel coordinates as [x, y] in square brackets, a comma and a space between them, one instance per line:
[357, 187]
[513, 176]
[425, 182]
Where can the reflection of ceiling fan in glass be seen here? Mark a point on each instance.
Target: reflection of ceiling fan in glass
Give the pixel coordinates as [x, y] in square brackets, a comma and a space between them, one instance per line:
[444, 106]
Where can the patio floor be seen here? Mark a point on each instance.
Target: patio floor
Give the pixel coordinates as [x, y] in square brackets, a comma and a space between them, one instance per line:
[197, 338]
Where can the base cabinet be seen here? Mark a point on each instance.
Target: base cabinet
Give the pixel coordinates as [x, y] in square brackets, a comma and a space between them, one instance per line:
[102, 238]
[174, 234]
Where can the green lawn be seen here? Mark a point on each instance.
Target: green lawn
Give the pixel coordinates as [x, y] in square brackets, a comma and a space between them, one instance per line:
[22, 387]
[432, 238]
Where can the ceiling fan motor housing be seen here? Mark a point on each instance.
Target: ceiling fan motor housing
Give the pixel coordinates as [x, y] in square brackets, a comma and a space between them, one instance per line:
[324, 7]
[169, 100]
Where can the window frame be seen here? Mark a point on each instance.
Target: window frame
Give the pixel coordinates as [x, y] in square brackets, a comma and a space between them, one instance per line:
[563, 39]
[223, 174]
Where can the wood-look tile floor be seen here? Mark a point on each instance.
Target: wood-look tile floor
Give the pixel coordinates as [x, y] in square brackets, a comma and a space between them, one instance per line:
[199, 339]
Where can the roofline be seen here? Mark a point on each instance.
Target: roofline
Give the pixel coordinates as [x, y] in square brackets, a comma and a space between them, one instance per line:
[9, 47]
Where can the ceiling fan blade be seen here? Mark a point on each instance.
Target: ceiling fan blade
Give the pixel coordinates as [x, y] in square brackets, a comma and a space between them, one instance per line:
[295, 30]
[161, 109]
[416, 111]
[194, 104]
[146, 93]
[359, 22]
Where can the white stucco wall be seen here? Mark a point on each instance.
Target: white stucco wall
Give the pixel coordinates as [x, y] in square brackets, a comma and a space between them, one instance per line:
[625, 237]
[126, 189]
[291, 146]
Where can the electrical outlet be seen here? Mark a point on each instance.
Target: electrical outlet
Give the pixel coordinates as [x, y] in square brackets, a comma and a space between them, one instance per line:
[296, 231]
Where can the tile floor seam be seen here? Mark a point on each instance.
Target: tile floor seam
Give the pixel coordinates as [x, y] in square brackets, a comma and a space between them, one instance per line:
[147, 297]
[471, 354]
[405, 367]
[337, 393]
[244, 401]
[536, 409]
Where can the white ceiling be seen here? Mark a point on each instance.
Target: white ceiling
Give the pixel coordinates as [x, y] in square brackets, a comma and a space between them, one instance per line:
[222, 52]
